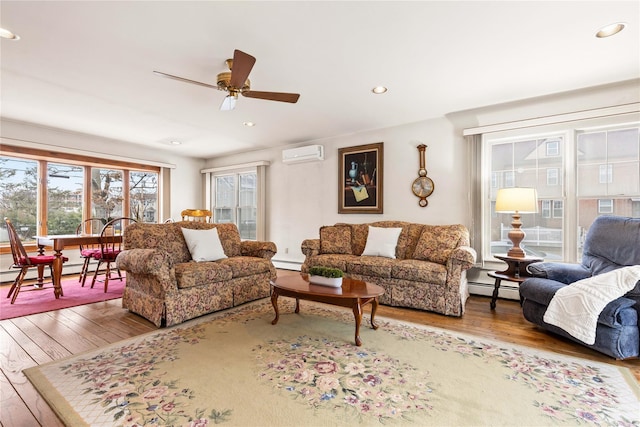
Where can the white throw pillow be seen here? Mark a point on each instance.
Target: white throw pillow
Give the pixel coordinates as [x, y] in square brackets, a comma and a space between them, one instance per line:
[204, 245]
[382, 242]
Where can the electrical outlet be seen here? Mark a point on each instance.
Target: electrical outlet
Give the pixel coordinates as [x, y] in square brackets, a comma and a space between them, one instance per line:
[286, 250]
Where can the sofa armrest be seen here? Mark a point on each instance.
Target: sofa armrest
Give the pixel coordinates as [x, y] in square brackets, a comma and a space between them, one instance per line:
[619, 312]
[252, 248]
[143, 261]
[539, 290]
[150, 271]
[465, 256]
[559, 271]
[310, 247]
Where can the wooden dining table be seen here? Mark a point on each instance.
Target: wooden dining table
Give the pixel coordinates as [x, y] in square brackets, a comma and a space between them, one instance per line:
[58, 242]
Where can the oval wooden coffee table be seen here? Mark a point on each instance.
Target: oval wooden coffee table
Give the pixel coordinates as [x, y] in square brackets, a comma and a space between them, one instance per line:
[354, 294]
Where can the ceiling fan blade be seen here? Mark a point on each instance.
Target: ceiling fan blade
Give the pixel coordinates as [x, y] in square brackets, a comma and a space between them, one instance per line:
[182, 79]
[242, 65]
[273, 96]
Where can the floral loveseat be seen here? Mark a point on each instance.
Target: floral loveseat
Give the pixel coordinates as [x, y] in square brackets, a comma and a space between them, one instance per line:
[427, 273]
[166, 286]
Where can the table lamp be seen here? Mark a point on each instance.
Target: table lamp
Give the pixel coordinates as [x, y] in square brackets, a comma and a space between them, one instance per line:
[516, 200]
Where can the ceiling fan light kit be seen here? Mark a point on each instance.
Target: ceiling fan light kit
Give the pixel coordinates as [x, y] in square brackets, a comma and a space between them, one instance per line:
[236, 81]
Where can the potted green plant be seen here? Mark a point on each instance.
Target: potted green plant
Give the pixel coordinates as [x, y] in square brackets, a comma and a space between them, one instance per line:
[326, 276]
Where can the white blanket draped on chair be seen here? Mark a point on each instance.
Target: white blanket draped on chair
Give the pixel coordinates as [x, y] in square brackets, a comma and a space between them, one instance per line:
[576, 307]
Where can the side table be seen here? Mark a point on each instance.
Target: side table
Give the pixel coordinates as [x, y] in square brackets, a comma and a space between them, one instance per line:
[516, 272]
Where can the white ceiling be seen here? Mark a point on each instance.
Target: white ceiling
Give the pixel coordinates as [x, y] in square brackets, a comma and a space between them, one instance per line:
[87, 66]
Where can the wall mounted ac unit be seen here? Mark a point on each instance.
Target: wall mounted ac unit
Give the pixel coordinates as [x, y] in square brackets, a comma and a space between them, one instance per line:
[310, 153]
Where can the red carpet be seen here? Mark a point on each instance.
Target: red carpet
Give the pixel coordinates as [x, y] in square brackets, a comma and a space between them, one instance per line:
[31, 302]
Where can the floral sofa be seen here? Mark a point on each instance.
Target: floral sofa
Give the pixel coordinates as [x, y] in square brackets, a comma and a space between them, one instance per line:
[427, 273]
[167, 287]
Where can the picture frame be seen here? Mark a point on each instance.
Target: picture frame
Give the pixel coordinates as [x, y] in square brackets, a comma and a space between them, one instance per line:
[360, 179]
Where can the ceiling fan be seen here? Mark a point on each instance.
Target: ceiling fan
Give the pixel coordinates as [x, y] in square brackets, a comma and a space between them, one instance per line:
[235, 81]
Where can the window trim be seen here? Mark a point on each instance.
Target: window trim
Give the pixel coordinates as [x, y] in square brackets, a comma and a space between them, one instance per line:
[47, 156]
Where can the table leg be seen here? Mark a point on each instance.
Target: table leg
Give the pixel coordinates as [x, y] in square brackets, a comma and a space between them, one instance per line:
[297, 305]
[274, 302]
[57, 274]
[357, 313]
[374, 308]
[495, 294]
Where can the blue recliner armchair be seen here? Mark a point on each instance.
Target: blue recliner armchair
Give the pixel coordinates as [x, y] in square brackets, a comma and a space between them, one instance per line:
[611, 243]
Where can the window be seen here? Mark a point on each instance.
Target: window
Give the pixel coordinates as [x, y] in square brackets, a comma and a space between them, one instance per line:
[546, 208]
[42, 195]
[552, 148]
[247, 205]
[601, 164]
[143, 196]
[606, 174]
[237, 196]
[552, 176]
[64, 197]
[558, 208]
[225, 199]
[107, 195]
[509, 179]
[19, 196]
[528, 165]
[605, 206]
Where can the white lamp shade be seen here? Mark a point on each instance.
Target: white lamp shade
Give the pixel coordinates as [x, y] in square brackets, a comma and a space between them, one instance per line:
[517, 199]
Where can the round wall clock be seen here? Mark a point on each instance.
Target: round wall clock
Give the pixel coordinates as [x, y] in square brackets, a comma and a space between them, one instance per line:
[422, 186]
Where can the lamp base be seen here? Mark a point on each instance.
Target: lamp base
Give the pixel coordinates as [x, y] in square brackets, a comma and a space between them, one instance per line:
[516, 253]
[516, 235]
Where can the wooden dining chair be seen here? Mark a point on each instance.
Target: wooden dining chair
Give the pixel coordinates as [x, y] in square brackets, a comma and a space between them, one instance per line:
[201, 215]
[110, 246]
[88, 251]
[22, 261]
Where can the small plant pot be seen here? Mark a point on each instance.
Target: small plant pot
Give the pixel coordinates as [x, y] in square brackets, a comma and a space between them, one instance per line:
[334, 282]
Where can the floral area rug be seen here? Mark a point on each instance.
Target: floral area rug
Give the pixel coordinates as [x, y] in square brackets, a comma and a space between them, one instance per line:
[235, 368]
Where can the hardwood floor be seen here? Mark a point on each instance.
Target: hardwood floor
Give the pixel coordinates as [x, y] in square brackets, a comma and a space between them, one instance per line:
[41, 338]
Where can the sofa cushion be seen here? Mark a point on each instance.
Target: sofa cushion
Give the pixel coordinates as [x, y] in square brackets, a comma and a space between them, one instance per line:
[242, 266]
[419, 271]
[382, 242]
[413, 233]
[335, 239]
[371, 266]
[204, 245]
[437, 242]
[358, 238]
[331, 260]
[190, 274]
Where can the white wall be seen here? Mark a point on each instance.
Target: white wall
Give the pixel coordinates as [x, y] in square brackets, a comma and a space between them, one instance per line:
[302, 197]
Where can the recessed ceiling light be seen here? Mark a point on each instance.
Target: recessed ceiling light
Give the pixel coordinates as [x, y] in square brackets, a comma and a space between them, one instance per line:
[249, 124]
[379, 89]
[175, 142]
[8, 34]
[610, 30]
